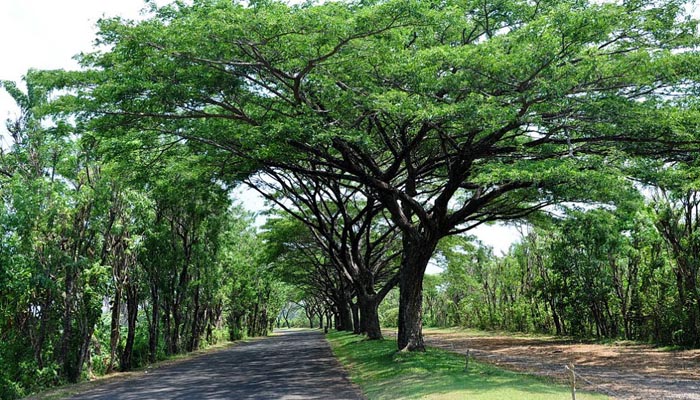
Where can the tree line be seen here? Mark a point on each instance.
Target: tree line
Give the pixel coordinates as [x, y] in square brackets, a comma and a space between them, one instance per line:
[384, 129]
[625, 273]
[108, 264]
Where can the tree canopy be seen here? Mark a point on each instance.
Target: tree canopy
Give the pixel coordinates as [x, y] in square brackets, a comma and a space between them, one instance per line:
[449, 114]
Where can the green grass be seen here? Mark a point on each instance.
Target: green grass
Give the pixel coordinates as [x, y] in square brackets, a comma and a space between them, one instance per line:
[383, 373]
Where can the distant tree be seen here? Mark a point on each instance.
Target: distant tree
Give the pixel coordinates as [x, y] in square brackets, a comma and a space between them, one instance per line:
[352, 230]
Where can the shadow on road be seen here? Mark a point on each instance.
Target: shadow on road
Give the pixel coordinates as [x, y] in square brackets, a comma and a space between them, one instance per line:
[291, 365]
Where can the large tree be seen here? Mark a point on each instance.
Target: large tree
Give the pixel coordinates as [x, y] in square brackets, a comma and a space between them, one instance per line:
[450, 113]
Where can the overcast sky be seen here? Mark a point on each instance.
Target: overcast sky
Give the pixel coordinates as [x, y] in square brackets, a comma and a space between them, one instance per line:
[46, 34]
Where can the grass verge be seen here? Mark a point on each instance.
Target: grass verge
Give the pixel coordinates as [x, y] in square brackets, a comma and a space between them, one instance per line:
[383, 373]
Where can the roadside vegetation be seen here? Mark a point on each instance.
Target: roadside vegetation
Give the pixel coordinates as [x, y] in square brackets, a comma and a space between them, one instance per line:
[384, 373]
[380, 133]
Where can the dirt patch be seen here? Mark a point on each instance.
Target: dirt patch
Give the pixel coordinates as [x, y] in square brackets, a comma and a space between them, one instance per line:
[622, 371]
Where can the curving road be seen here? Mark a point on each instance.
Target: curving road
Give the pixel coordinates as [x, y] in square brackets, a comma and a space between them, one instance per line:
[290, 365]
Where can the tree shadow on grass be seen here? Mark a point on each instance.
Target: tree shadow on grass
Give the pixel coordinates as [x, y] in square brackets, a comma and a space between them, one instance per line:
[385, 373]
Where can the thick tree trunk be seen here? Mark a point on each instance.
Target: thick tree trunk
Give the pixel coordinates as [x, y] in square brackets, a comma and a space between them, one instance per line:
[344, 316]
[416, 256]
[369, 316]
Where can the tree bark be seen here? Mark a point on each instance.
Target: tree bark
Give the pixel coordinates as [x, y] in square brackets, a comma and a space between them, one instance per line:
[355, 318]
[67, 338]
[131, 315]
[344, 316]
[416, 256]
[153, 328]
[369, 316]
[114, 327]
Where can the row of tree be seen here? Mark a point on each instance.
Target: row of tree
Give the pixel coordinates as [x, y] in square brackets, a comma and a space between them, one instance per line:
[384, 128]
[109, 264]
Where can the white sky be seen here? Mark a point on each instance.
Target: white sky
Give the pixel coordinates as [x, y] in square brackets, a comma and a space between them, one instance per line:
[46, 34]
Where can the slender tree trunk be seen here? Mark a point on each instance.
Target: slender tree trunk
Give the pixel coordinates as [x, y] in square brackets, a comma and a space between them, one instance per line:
[210, 324]
[175, 329]
[310, 314]
[131, 315]
[67, 338]
[153, 328]
[555, 318]
[167, 326]
[193, 343]
[252, 326]
[355, 318]
[114, 327]
[39, 345]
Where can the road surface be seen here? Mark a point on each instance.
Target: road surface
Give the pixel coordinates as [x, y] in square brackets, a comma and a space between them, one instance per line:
[291, 365]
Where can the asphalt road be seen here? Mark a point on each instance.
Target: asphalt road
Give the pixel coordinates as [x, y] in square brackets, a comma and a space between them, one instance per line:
[292, 365]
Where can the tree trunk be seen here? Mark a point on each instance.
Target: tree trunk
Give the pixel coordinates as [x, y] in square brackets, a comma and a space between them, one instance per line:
[197, 316]
[67, 338]
[344, 316]
[39, 344]
[369, 316]
[416, 256]
[131, 315]
[355, 318]
[555, 318]
[153, 328]
[168, 327]
[175, 329]
[114, 327]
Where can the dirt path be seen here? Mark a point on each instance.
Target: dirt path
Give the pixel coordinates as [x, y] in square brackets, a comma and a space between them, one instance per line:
[292, 365]
[620, 371]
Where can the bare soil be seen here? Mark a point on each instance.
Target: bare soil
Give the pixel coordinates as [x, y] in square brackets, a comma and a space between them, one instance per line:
[621, 370]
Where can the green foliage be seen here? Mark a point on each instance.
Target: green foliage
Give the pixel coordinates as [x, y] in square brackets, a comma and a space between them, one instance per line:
[450, 113]
[163, 246]
[605, 273]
